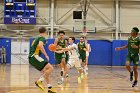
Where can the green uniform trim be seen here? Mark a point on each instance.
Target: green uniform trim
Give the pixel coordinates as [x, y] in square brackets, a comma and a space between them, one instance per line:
[39, 65]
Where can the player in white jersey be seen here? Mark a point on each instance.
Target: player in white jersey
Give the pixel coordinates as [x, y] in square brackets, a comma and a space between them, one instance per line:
[73, 54]
[73, 58]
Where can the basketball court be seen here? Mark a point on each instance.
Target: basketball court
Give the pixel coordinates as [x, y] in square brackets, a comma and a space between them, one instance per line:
[99, 80]
[105, 24]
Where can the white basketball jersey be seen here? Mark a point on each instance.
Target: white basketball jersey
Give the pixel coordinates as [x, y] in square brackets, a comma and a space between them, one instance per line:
[74, 52]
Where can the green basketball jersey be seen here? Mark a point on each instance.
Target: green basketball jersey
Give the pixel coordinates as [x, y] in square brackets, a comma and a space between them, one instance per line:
[131, 42]
[34, 49]
[81, 46]
[62, 43]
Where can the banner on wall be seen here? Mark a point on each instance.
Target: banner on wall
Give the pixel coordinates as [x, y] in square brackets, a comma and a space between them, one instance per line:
[19, 20]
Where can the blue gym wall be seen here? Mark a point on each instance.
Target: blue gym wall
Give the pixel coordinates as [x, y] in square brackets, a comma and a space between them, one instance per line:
[6, 42]
[118, 57]
[102, 53]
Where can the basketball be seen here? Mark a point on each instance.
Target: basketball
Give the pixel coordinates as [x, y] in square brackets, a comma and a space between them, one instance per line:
[52, 47]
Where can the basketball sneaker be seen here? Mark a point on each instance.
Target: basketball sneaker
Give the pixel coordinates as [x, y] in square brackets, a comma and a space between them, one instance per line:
[79, 80]
[82, 76]
[134, 83]
[131, 76]
[51, 90]
[39, 85]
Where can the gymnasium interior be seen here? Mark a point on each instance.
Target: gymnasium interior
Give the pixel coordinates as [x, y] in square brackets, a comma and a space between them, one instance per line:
[106, 24]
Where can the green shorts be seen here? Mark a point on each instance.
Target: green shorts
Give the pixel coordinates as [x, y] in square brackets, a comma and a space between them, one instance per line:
[67, 58]
[83, 57]
[59, 57]
[133, 58]
[37, 62]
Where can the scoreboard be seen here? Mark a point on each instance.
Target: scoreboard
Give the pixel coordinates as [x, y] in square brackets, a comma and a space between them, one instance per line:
[20, 12]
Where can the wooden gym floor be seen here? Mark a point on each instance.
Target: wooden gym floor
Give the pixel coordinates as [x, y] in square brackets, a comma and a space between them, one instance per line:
[101, 79]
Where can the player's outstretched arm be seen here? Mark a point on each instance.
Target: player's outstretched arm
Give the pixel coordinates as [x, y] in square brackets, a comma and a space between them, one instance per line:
[61, 50]
[67, 49]
[121, 48]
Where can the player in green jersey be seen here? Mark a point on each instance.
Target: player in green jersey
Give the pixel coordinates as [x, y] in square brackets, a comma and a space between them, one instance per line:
[61, 42]
[38, 62]
[82, 48]
[133, 54]
[73, 58]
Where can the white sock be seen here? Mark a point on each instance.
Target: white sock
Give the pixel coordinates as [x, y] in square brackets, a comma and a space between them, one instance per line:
[41, 78]
[85, 66]
[62, 79]
[49, 85]
[67, 75]
[62, 69]
[84, 69]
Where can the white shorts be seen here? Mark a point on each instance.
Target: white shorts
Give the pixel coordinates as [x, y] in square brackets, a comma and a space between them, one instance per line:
[74, 62]
[87, 54]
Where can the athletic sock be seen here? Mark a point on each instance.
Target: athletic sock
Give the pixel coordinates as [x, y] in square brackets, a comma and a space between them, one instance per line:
[41, 78]
[49, 86]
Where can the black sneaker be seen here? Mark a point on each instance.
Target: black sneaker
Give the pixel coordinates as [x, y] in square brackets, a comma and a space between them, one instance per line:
[131, 76]
[134, 83]
[51, 90]
[61, 73]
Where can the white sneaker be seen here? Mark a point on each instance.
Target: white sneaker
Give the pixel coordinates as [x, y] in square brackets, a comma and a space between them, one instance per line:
[60, 81]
